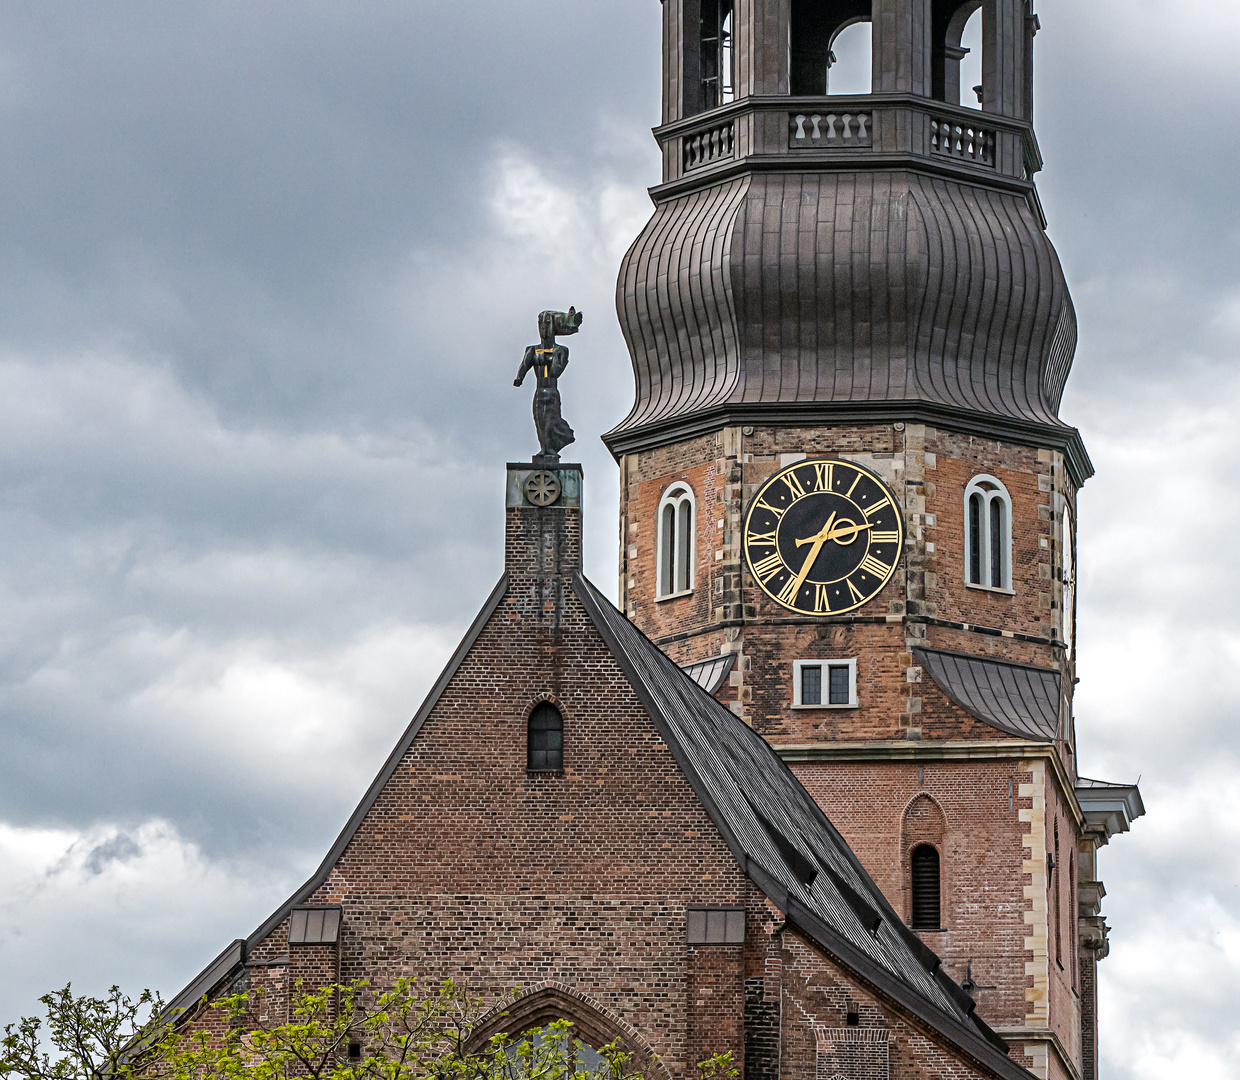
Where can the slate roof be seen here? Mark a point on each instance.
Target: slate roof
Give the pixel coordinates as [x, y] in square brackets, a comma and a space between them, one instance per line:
[784, 841]
[1018, 699]
[709, 674]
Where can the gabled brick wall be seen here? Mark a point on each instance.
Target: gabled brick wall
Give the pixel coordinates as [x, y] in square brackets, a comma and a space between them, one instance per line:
[576, 884]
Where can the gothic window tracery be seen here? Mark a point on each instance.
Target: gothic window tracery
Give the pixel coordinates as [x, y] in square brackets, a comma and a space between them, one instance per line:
[988, 534]
[675, 544]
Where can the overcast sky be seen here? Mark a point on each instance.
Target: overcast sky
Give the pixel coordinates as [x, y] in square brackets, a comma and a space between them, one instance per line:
[266, 272]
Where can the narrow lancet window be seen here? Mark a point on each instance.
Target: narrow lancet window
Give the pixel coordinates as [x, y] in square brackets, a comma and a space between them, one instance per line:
[975, 539]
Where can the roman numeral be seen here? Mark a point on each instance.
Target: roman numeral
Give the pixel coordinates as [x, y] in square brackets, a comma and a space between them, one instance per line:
[764, 505]
[875, 508]
[883, 537]
[821, 602]
[794, 485]
[789, 592]
[768, 539]
[768, 567]
[824, 475]
[872, 566]
[856, 481]
[856, 594]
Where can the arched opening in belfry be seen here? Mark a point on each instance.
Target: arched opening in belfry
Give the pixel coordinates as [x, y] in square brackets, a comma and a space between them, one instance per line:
[830, 49]
[717, 57]
[956, 52]
[970, 95]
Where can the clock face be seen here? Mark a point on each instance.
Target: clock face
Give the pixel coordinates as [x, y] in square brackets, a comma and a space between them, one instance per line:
[823, 537]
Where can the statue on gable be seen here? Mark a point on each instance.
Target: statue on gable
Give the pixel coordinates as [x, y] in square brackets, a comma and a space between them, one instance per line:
[548, 361]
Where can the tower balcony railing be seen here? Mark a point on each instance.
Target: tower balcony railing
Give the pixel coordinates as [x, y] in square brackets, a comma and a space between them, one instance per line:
[871, 130]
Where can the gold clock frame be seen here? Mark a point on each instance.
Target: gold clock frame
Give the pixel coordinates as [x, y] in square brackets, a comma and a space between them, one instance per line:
[824, 472]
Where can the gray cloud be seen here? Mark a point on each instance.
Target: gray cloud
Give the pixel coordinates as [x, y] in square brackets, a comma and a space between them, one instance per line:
[266, 271]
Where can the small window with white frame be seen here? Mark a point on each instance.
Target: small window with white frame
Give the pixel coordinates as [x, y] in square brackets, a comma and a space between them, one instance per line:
[675, 546]
[987, 534]
[824, 684]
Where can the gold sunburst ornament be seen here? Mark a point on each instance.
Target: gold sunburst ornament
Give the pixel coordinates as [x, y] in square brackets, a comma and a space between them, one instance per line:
[822, 537]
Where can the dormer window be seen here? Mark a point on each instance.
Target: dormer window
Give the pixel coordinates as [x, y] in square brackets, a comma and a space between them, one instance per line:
[987, 534]
[676, 524]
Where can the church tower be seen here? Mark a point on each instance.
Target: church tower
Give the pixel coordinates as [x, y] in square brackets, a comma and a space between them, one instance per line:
[847, 497]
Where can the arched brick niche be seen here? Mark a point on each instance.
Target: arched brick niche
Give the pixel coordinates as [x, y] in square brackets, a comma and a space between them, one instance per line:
[925, 824]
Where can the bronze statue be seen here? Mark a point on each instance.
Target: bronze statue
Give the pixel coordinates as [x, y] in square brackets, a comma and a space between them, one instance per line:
[549, 361]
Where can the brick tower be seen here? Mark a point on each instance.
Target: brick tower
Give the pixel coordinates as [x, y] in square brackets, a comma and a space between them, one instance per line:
[866, 283]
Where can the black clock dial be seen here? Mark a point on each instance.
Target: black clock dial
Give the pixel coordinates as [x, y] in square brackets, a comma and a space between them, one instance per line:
[823, 537]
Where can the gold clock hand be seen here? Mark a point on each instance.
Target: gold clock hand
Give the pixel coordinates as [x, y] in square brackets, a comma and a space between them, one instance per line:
[817, 541]
[845, 530]
[822, 534]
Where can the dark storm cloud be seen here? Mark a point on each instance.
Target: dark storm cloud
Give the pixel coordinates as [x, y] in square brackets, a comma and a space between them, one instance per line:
[265, 274]
[223, 187]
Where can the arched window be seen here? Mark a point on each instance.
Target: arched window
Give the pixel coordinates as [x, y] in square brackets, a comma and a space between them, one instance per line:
[924, 864]
[528, 1013]
[988, 534]
[1073, 941]
[1057, 910]
[545, 739]
[816, 25]
[1067, 545]
[676, 522]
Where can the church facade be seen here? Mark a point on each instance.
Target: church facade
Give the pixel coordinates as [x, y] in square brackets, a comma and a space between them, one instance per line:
[811, 793]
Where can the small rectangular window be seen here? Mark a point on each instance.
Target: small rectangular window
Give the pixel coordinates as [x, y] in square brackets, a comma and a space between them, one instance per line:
[716, 926]
[836, 679]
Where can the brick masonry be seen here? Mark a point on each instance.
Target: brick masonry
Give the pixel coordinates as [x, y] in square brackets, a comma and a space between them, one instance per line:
[999, 906]
[576, 884]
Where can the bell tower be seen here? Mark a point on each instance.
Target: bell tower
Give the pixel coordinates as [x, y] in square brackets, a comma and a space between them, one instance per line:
[865, 282]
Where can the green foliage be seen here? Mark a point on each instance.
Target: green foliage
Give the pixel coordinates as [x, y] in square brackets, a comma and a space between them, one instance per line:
[87, 1036]
[338, 1032]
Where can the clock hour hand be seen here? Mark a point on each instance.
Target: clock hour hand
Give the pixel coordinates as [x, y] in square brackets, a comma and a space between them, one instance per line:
[817, 540]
